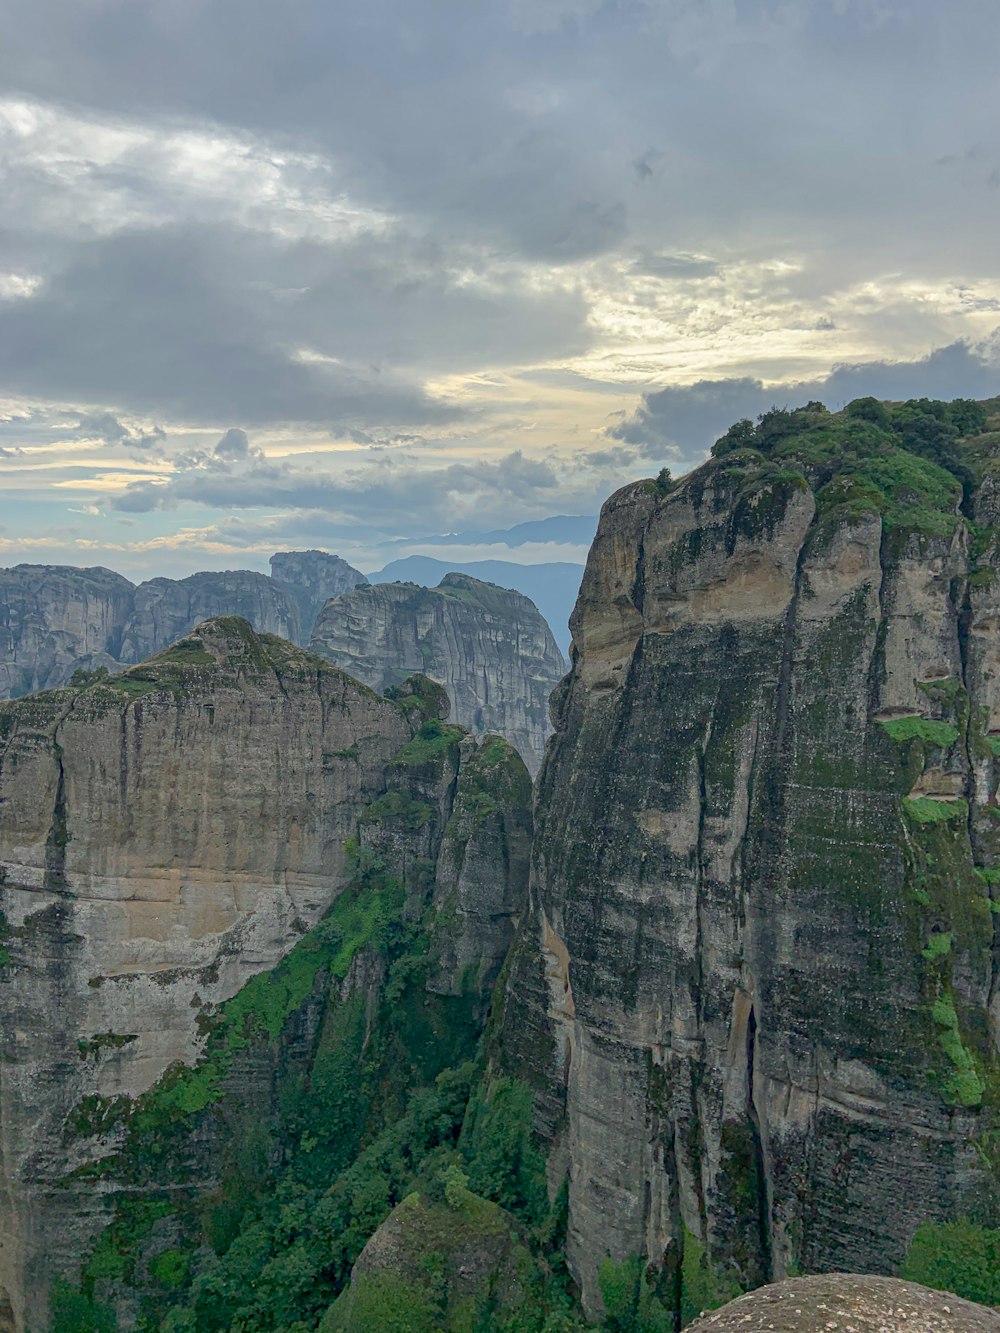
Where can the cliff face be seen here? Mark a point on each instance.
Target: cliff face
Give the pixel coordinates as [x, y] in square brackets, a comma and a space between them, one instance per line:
[755, 992]
[165, 836]
[488, 646]
[53, 616]
[164, 609]
[54, 619]
[314, 577]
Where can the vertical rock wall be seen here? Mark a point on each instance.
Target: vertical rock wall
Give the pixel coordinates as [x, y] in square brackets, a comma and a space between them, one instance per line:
[755, 990]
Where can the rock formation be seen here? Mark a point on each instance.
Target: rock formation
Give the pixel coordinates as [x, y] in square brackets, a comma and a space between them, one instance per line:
[166, 836]
[755, 992]
[845, 1301]
[52, 617]
[488, 646]
[432, 1262]
[314, 577]
[165, 609]
[55, 619]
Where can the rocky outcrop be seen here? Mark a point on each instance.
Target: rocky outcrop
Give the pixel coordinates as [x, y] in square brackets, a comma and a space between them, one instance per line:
[165, 836]
[314, 577]
[55, 619]
[488, 646]
[846, 1301]
[165, 609]
[755, 993]
[433, 1263]
[54, 616]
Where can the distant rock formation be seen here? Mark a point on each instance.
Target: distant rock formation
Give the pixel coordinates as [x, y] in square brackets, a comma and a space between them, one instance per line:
[52, 616]
[848, 1302]
[56, 618]
[165, 609]
[488, 646]
[313, 577]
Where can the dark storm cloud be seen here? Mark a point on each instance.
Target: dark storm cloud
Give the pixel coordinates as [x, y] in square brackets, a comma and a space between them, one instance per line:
[234, 444]
[691, 417]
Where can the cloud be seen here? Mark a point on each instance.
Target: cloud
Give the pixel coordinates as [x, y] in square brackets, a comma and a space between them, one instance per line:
[691, 417]
[379, 502]
[107, 427]
[207, 323]
[234, 444]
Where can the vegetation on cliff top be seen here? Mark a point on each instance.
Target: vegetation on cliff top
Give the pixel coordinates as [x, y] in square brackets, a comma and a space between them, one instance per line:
[914, 463]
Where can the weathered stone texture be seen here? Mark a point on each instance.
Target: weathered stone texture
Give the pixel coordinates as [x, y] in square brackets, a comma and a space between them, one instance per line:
[732, 907]
[169, 833]
[488, 646]
[54, 618]
[851, 1303]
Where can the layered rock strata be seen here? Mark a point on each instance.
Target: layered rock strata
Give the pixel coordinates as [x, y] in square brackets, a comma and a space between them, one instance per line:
[167, 834]
[488, 646]
[755, 992]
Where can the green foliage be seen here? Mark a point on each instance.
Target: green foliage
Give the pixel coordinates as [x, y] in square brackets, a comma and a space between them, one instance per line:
[171, 1268]
[420, 696]
[81, 677]
[395, 805]
[910, 462]
[430, 744]
[629, 1301]
[505, 1164]
[70, 1311]
[95, 1046]
[456, 1185]
[938, 945]
[385, 1302]
[942, 734]
[958, 1257]
[962, 1085]
[925, 810]
[701, 1287]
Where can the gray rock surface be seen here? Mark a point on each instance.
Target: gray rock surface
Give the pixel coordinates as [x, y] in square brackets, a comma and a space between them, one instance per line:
[55, 618]
[848, 1303]
[52, 616]
[755, 992]
[169, 833]
[488, 646]
[314, 577]
[164, 609]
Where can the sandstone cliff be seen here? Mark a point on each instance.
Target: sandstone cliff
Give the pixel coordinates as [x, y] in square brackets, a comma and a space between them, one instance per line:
[843, 1301]
[168, 834]
[488, 646]
[755, 993]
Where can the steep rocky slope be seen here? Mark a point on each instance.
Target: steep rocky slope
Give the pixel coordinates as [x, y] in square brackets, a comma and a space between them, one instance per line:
[488, 646]
[755, 993]
[168, 838]
[164, 609]
[314, 577]
[55, 618]
[52, 618]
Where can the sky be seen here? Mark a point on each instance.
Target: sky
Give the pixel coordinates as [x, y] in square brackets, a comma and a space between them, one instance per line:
[361, 276]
